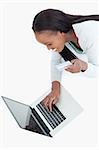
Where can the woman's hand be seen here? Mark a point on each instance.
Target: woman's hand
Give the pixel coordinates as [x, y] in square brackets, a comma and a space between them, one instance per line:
[50, 99]
[77, 66]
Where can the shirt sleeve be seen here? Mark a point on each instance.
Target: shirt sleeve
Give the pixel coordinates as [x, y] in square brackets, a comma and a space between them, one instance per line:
[55, 60]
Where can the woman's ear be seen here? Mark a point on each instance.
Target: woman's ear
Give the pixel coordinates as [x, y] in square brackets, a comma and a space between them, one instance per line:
[61, 33]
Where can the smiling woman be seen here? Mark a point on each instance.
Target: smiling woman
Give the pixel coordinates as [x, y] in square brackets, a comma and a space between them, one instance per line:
[53, 40]
[58, 31]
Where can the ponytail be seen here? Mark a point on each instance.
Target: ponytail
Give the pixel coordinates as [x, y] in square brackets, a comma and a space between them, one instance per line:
[78, 19]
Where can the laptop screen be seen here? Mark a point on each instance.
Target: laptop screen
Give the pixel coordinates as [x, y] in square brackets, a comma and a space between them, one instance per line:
[26, 117]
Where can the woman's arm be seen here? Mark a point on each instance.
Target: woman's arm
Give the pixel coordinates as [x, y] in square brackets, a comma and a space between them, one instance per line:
[53, 96]
[55, 73]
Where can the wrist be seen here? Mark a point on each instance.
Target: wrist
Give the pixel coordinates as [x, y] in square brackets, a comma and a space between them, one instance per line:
[84, 66]
[55, 86]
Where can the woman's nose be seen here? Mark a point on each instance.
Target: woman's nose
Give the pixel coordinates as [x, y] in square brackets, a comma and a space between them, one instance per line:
[48, 47]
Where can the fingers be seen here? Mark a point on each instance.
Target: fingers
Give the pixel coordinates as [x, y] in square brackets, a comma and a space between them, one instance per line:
[51, 102]
[45, 102]
[55, 101]
[74, 68]
[48, 102]
[70, 68]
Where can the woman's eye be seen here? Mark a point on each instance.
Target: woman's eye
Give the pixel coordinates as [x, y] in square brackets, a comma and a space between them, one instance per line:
[49, 44]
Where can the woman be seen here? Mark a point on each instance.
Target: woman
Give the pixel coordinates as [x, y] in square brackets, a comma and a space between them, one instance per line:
[55, 29]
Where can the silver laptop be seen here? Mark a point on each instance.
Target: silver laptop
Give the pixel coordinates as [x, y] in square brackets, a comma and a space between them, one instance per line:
[37, 118]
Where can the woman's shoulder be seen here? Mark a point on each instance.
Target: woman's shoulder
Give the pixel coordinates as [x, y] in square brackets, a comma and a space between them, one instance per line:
[87, 29]
[86, 25]
[87, 33]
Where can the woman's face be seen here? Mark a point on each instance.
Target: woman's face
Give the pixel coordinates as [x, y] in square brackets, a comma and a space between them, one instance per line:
[53, 40]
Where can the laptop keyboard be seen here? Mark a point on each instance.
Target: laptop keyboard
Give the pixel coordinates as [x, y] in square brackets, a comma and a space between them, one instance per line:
[54, 118]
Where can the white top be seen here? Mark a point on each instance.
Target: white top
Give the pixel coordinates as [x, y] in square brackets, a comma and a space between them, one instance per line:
[88, 38]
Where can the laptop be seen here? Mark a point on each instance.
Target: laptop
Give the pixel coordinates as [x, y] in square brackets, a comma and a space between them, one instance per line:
[38, 119]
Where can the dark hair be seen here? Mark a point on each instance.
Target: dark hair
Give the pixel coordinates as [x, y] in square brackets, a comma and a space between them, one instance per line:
[56, 20]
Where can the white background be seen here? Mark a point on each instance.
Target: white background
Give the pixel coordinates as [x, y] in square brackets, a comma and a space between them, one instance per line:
[25, 75]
